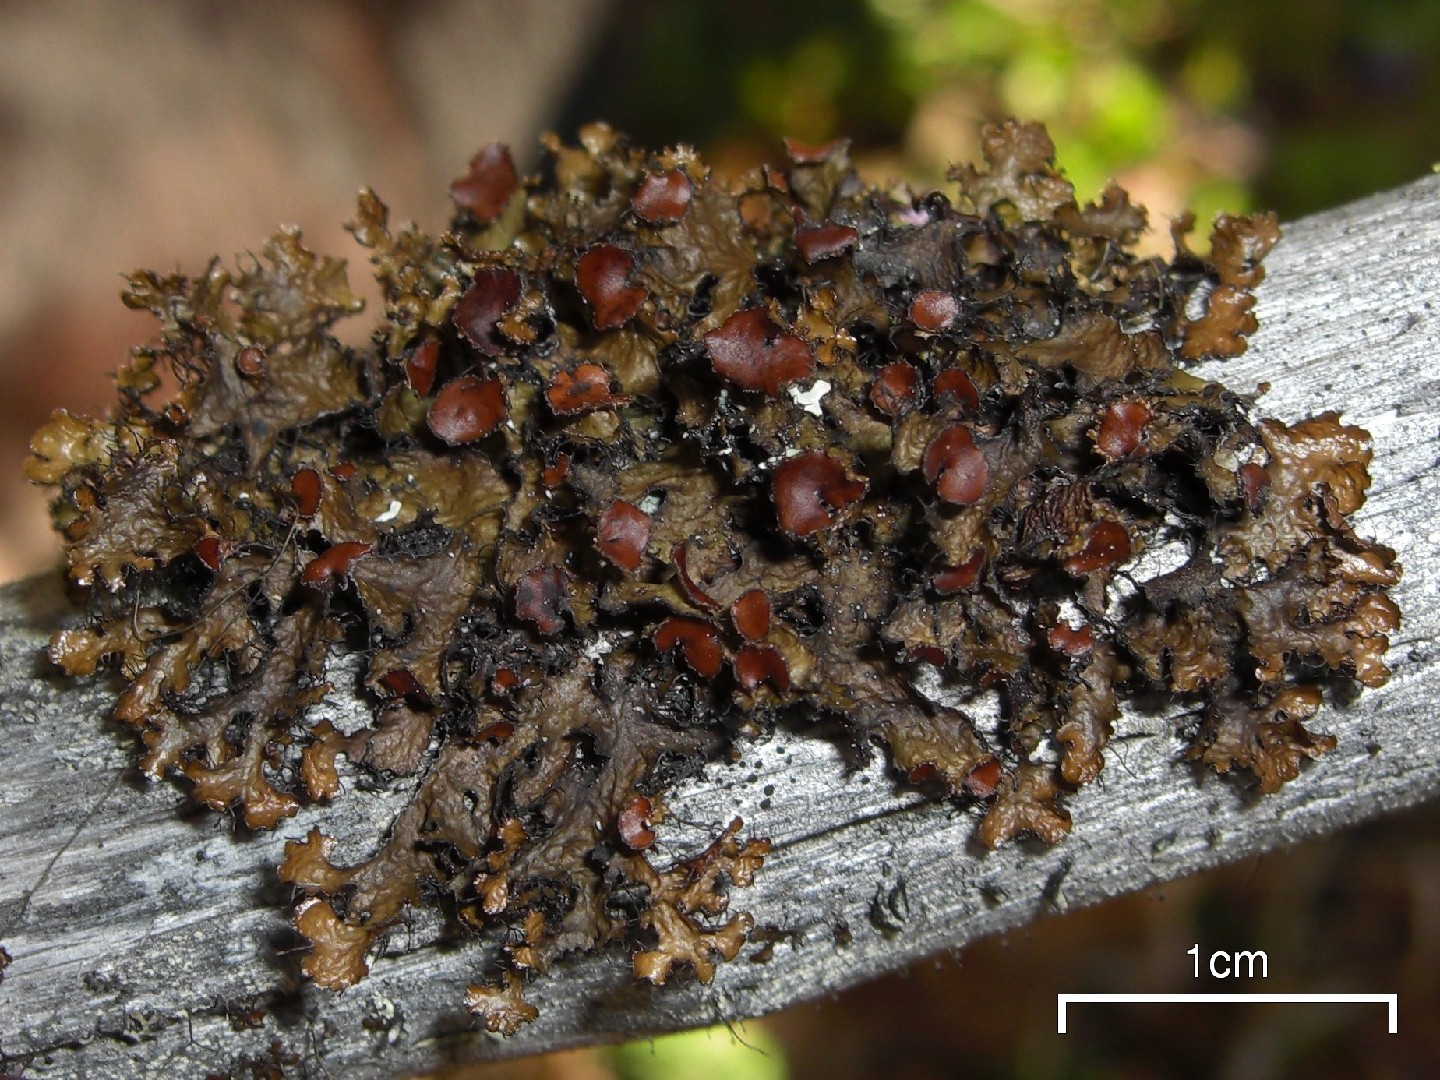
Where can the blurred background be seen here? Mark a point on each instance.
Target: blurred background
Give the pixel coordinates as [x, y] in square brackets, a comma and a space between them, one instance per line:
[158, 134]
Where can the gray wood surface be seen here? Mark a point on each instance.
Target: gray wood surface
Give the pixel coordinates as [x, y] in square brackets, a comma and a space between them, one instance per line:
[140, 934]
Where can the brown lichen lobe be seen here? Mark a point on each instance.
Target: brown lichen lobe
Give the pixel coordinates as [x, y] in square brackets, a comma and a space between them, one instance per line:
[641, 464]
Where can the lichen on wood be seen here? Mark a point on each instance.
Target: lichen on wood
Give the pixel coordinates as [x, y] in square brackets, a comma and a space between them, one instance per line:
[640, 465]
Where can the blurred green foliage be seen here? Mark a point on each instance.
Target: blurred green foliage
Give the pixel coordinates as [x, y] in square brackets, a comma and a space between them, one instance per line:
[709, 72]
[708, 1054]
[1291, 104]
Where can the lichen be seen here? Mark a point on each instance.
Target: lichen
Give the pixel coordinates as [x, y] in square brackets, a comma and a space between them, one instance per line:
[639, 465]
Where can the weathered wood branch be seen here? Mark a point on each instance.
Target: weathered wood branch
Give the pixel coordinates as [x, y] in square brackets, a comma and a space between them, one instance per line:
[141, 936]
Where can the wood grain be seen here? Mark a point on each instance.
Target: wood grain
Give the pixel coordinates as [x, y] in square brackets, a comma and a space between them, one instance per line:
[141, 935]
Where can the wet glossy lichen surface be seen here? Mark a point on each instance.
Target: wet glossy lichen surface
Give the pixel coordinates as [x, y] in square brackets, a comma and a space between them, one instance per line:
[639, 465]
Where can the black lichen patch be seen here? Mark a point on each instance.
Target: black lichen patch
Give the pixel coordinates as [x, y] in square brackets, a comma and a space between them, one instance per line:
[638, 463]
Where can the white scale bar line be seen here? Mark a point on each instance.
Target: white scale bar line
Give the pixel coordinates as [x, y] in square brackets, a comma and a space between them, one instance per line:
[1392, 1000]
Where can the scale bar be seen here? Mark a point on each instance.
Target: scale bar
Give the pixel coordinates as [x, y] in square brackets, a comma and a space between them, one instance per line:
[1392, 1000]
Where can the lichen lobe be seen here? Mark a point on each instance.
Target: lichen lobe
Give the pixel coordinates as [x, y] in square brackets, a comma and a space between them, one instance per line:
[639, 466]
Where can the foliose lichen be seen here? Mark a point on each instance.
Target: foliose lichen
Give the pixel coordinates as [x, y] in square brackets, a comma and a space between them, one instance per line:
[640, 464]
